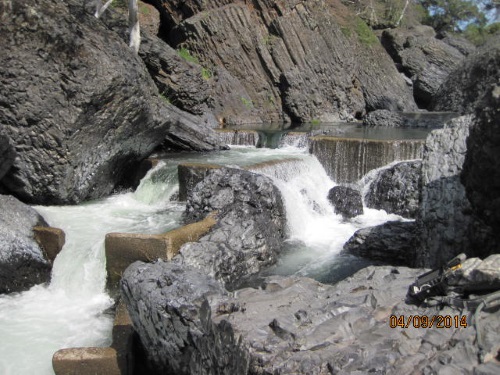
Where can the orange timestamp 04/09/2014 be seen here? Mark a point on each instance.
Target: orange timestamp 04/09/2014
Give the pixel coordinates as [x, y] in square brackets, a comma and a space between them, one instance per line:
[426, 321]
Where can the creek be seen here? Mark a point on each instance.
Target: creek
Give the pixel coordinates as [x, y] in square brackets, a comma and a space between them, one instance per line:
[73, 310]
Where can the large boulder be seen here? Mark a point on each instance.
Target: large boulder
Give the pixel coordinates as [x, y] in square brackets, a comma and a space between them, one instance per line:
[250, 224]
[22, 261]
[396, 189]
[465, 88]
[448, 226]
[346, 201]
[481, 169]
[298, 61]
[426, 60]
[295, 325]
[394, 243]
[78, 105]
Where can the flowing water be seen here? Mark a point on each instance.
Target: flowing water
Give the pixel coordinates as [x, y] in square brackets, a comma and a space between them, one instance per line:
[72, 310]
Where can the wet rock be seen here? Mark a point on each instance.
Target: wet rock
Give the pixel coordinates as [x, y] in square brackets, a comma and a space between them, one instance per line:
[78, 106]
[295, 325]
[22, 261]
[466, 87]
[250, 224]
[383, 117]
[346, 201]
[427, 61]
[396, 189]
[393, 243]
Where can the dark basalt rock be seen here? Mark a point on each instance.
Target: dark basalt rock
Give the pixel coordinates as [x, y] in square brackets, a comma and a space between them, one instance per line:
[78, 105]
[396, 189]
[170, 308]
[394, 243]
[426, 60]
[7, 155]
[465, 88]
[481, 168]
[250, 224]
[346, 201]
[286, 61]
[22, 261]
[296, 325]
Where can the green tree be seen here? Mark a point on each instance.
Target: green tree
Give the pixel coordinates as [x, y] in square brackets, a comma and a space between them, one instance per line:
[454, 15]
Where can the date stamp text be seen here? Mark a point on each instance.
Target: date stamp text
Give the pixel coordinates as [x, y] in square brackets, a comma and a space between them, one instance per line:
[428, 321]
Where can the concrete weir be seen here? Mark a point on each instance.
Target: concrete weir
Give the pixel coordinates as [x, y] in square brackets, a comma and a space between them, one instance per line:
[114, 360]
[122, 249]
[346, 160]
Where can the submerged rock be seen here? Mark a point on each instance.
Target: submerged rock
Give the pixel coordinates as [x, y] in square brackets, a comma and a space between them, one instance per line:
[346, 201]
[250, 224]
[296, 325]
[396, 189]
[22, 261]
[394, 243]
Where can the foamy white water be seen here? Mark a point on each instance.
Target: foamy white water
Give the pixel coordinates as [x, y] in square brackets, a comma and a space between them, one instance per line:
[71, 311]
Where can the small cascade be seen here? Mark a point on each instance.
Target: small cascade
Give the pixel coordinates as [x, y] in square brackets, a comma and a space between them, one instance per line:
[71, 311]
[316, 234]
[346, 160]
[295, 139]
[238, 137]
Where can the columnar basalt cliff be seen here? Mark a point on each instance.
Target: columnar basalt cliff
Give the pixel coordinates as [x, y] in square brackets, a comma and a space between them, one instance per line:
[294, 61]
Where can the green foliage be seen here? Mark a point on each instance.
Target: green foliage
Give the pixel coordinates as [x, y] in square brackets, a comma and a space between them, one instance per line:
[206, 73]
[480, 35]
[165, 98]
[365, 34]
[315, 122]
[120, 4]
[346, 31]
[186, 55]
[247, 102]
[452, 15]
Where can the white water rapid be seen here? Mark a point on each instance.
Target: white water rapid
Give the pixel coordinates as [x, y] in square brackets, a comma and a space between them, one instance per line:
[71, 311]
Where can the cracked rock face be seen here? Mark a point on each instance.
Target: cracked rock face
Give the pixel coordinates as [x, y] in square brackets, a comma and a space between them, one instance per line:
[250, 224]
[295, 325]
[278, 60]
[77, 105]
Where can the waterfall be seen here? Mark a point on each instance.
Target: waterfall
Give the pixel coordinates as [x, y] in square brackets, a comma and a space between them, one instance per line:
[348, 159]
[238, 137]
[295, 139]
